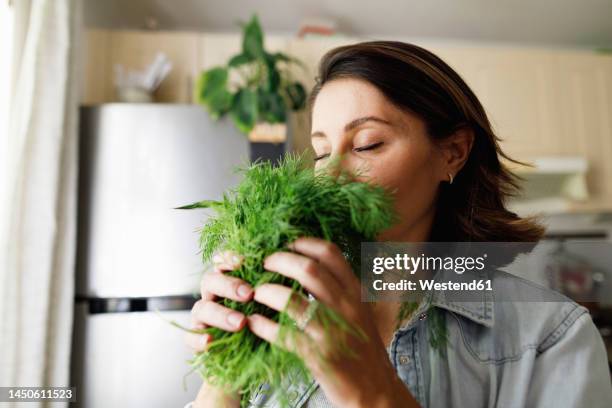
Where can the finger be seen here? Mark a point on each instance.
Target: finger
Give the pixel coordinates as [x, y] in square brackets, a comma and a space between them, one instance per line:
[217, 284]
[222, 262]
[216, 315]
[264, 328]
[293, 341]
[195, 324]
[228, 258]
[197, 342]
[326, 253]
[281, 298]
[309, 273]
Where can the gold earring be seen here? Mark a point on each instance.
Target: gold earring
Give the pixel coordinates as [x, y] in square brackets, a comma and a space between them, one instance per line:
[450, 178]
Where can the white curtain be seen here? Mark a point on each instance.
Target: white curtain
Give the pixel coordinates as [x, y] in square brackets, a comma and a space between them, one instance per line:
[38, 233]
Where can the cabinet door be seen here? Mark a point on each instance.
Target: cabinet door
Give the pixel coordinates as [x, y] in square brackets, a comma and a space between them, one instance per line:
[516, 88]
[97, 74]
[584, 97]
[137, 49]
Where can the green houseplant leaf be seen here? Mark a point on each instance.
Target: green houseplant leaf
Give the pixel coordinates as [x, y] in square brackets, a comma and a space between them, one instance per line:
[211, 91]
[279, 56]
[273, 77]
[240, 59]
[244, 111]
[271, 107]
[297, 95]
[252, 42]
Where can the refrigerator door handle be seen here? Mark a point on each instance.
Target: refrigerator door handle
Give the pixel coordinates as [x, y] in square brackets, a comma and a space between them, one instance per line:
[137, 304]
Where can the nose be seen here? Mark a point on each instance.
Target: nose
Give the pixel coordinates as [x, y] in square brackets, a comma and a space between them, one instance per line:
[340, 163]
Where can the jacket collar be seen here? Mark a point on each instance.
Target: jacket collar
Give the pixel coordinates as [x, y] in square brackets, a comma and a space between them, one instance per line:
[479, 310]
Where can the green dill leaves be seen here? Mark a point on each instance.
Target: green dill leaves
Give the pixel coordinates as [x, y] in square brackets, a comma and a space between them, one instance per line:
[271, 207]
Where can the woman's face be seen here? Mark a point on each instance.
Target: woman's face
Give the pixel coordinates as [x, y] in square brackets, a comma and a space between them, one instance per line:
[390, 147]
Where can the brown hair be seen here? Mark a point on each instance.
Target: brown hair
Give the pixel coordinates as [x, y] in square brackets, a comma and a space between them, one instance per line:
[416, 80]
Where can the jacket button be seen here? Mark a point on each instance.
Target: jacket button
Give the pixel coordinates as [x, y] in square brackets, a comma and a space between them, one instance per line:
[293, 396]
[403, 359]
[422, 316]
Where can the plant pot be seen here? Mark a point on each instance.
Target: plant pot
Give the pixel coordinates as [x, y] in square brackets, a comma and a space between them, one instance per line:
[268, 141]
[264, 132]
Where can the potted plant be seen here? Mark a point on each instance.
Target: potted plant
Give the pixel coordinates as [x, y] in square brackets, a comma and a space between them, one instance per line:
[259, 100]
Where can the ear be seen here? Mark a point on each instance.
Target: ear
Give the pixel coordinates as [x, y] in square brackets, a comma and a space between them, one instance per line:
[455, 151]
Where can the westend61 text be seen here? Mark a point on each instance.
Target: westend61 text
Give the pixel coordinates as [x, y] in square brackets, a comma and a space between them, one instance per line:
[430, 284]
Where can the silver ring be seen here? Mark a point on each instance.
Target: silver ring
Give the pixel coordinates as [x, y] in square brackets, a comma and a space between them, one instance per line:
[308, 314]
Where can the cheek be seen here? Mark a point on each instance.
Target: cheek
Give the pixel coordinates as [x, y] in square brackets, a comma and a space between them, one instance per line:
[410, 171]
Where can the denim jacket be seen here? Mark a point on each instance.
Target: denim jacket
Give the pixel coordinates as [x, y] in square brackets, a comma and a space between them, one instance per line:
[498, 354]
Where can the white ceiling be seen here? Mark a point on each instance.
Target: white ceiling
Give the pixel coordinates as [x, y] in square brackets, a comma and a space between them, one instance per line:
[581, 23]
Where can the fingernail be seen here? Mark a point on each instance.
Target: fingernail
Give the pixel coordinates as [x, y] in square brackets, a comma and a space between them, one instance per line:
[205, 338]
[217, 258]
[244, 291]
[234, 318]
[235, 260]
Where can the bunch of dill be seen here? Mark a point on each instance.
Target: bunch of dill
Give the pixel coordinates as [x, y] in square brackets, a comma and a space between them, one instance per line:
[271, 207]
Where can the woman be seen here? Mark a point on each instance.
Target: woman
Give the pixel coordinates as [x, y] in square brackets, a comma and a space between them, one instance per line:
[400, 112]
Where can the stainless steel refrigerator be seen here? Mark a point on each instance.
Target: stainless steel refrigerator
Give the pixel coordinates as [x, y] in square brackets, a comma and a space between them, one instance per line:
[136, 254]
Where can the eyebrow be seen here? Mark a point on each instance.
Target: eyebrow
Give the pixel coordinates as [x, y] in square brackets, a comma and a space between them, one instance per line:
[355, 123]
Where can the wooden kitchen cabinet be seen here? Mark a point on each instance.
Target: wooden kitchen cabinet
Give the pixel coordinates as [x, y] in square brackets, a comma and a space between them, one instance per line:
[517, 90]
[135, 50]
[96, 70]
[584, 100]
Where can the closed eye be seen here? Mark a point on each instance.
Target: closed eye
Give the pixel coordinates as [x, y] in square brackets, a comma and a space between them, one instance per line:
[321, 156]
[368, 147]
[356, 149]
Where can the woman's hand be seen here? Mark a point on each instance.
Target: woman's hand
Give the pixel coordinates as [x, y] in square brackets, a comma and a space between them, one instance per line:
[364, 379]
[206, 313]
